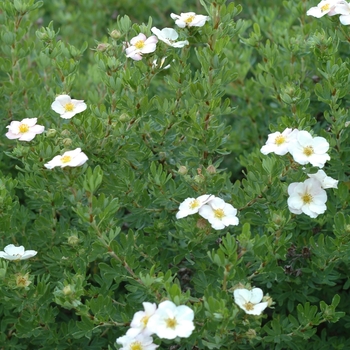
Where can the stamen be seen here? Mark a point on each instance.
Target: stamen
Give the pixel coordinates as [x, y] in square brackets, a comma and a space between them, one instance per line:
[171, 323]
[23, 128]
[279, 140]
[66, 159]
[136, 345]
[139, 44]
[249, 306]
[194, 204]
[308, 151]
[307, 198]
[219, 213]
[325, 7]
[69, 107]
[189, 19]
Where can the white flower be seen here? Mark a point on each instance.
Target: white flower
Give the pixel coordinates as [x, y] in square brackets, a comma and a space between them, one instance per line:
[191, 205]
[171, 321]
[343, 9]
[140, 320]
[307, 149]
[12, 252]
[67, 107]
[140, 45]
[278, 142]
[169, 36]
[189, 19]
[325, 181]
[140, 342]
[24, 130]
[250, 300]
[307, 197]
[219, 213]
[69, 158]
[325, 7]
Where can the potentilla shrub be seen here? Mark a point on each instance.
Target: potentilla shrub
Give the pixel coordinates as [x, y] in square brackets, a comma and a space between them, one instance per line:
[176, 184]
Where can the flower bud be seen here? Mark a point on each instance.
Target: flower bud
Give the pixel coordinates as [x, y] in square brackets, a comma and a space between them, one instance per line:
[115, 34]
[102, 47]
[202, 223]
[67, 142]
[124, 117]
[251, 333]
[182, 170]
[65, 133]
[51, 133]
[67, 290]
[22, 281]
[211, 169]
[73, 240]
[269, 300]
[199, 178]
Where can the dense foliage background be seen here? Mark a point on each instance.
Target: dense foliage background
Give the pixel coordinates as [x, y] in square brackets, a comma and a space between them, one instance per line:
[106, 233]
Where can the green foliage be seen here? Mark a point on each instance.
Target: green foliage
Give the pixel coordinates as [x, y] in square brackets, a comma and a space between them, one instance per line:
[106, 232]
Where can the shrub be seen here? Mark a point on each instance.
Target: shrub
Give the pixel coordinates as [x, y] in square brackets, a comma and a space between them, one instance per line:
[105, 225]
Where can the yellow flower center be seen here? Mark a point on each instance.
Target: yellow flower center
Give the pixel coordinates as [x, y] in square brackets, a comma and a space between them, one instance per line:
[307, 198]
[279, 140]
[139, 44]
[136, 345]
[219, 213]
[194, 204]
[308, 151]
[325, 7]
[23, 128]
[66, 159]
[171, 323]
[249, 306]
[69, 107]
[189, 19]
[144, 320]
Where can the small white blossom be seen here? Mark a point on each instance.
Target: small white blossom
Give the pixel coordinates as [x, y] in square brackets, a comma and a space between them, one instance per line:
[140, 45]
[343, 9]
[67, 107]
[24, 130]
[307, 197]
[189, 19]
[219, 213]
[191, 205]
[171, 321]
[250, 300]
[11, 252]
[169, 36]
[325, 7]
[278, 142]
[325, 181]
[70, 158]
[307, 149]
[140, 320]
[140, 342]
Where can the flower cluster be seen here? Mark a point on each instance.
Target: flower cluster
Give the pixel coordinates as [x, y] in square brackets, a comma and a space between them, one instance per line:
[219, 213]
[308, 197]
[332, 8]
[300, 144]
[26, 130]
[168, 321]
[140, 44]
[11, 252]
[250, 300]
